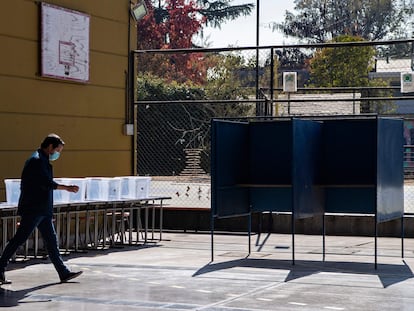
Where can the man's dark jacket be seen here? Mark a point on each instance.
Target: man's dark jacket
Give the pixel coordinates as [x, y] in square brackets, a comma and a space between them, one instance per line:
[37, 185]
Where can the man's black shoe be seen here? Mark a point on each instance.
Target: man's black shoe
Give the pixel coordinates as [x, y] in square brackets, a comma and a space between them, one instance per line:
[3, 279]
[70, 276]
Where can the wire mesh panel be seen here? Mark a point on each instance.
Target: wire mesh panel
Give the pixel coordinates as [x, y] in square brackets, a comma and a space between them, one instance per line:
[173, 146]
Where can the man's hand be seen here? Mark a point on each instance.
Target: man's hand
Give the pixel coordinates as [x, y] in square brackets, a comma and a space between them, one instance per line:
[72, 188]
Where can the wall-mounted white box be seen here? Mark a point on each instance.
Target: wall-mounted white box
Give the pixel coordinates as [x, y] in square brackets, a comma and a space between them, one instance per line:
[407, 82]
[129, 129]
[290, 84]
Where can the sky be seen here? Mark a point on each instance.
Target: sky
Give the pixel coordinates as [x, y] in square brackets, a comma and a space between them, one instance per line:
[241, 32]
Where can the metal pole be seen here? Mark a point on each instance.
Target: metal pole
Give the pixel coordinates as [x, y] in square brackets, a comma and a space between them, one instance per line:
[353, 102]
[272, 77]
[257, 46]
[288, 97]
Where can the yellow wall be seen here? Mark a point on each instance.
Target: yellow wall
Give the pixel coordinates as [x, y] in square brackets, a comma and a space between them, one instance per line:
[89, 117]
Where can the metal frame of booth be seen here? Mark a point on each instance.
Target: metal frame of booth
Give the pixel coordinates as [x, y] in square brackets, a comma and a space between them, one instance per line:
[322, 165]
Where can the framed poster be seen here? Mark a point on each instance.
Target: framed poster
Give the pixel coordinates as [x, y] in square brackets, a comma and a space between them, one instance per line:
[64, 43]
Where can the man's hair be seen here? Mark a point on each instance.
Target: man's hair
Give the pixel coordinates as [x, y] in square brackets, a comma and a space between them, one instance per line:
[53, 139]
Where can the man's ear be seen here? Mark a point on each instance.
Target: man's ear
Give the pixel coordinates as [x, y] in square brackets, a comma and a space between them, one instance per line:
[49, 148]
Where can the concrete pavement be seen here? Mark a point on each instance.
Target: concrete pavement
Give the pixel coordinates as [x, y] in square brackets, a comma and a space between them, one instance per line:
[176, 274]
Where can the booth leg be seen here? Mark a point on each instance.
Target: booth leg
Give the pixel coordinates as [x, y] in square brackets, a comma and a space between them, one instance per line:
[36, 242]
[402, 236]
[376, 241]
[323, 237]
[293, 239]
[212, 238]
[250, 231]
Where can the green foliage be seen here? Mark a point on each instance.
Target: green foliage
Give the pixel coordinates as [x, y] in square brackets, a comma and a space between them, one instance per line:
[223, 77]
[220, 87]
[174, 127]
[151, 87]
[349, 67]
[378, 106]
[342, 66]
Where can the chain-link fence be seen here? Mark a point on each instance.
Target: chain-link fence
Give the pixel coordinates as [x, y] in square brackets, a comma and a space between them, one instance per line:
[180, 91]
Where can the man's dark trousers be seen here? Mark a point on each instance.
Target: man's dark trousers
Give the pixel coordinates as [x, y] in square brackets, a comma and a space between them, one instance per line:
[27, 225]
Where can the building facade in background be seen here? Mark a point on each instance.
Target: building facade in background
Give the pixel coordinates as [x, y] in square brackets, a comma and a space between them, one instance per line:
[86, 102]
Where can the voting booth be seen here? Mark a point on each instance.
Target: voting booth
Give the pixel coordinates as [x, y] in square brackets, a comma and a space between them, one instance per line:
[265, 166]
[362, 171]
[308, 167]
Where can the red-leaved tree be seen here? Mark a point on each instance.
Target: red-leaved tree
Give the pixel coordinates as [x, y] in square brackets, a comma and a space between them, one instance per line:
[171, 30]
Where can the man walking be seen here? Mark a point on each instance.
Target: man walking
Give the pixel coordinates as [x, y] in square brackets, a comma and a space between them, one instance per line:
[35, 207]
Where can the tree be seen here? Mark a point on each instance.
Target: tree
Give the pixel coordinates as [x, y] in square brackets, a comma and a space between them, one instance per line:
[342, 66]
[224, 80]
[172, 24]
[349, 67]
[174, 32]
[319, 21]
[215, 12]
[166, 130]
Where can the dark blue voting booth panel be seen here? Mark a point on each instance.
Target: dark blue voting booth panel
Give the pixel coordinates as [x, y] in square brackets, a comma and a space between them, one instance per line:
[349, 152]
[307, 194]
[229, 160]
[350, 200]
[270, 149]
[270, 166]
[362, 167]
[390, 184]
[283, 166]
[349, 165]
[271, 199]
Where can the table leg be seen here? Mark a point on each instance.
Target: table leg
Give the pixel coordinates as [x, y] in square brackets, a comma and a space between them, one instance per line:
[67, 231]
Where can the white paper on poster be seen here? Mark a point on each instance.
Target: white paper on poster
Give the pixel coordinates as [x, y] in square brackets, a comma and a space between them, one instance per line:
[64, 43]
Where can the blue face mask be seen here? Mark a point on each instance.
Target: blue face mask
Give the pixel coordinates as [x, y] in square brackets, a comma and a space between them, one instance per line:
[54, 156]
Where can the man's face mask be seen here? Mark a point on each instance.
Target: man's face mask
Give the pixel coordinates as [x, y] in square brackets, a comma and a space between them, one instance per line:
[54, 156]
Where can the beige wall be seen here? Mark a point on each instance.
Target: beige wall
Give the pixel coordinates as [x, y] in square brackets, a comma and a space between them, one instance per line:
[89, 117]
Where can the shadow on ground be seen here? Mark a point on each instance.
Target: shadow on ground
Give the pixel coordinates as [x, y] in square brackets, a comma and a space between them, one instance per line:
[389, 274]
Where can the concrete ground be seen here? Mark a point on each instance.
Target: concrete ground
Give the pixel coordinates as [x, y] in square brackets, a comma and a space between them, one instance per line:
[177, 274]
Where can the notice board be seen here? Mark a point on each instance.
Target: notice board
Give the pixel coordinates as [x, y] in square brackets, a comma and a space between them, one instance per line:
[64, 43]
